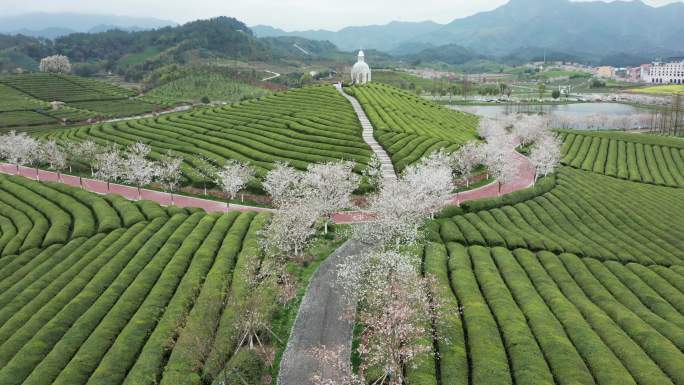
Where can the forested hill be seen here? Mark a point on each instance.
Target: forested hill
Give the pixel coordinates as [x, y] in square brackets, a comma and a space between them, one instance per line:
[222, 35]
[131, 53]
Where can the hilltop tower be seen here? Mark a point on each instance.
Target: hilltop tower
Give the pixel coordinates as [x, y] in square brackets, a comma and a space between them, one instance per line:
[361, 73]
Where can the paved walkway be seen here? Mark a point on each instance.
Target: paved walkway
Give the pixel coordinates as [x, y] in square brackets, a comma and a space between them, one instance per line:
[128, 192]
[151, 115]
[275, 75]
[385, 161]
[523, 180]
[320, 321]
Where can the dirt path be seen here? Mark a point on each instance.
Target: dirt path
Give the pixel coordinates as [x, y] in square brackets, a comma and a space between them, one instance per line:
[128, 192]
[319, 322]
[385, 161]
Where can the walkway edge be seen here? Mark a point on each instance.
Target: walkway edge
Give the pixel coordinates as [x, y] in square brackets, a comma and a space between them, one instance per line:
[320, 321]
[385, 161]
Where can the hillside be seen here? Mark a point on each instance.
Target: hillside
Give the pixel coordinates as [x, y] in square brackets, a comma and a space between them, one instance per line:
[54, 25]
[409, 127]
[134, 55]
[303, 126]
[381, 37]
[93, 288]
[27, 99]
[618, 33]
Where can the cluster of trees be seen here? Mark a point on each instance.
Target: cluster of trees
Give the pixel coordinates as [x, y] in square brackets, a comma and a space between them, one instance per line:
[603, 121]
[669, 120]
[111, 164]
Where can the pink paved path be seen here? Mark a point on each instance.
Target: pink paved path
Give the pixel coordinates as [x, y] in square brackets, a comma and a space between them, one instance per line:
[100, 187]
[524, 179]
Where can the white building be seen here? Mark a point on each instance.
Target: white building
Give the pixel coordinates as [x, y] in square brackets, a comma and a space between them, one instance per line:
[666, 73]
[361, 73]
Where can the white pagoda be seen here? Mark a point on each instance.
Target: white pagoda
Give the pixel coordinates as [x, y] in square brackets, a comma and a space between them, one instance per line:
[361, 73]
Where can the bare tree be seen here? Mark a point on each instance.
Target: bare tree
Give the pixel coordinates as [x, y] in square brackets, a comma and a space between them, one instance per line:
[55, 64]
[233, 177]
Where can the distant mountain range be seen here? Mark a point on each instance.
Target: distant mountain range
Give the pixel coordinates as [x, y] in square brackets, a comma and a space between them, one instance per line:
[619, 31]
[54, 25]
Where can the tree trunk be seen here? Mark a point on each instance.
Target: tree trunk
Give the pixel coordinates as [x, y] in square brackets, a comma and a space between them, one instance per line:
[326, 226]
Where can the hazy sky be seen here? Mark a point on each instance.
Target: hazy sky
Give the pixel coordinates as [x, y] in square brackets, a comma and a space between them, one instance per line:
[286, 14]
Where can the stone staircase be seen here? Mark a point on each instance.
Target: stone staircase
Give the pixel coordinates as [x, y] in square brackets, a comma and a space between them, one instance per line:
[385, 161]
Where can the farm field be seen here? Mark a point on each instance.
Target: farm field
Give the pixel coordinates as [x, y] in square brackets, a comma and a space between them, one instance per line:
[217, 87]
[668, 89]
[544, 318]
[23, 97]
[580, 284]
[409, 127]
[639, 158]
[303, 126]
[585, 214]
[101, 290]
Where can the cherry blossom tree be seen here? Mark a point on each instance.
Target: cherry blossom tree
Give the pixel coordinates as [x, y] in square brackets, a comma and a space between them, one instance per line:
[331, 186]
[373, 172]
[497, 155]
[490, 127]
[464, 160]
[402, 205]
[394, 310]
[55, 64]
[138, 169]
[109, 166]
[291, 228]
[86, 151]
[234, 176]
[432, 182]
[530, 127]
[168, 172]
[53, 155]
[18, 149]
[338, 370]
[284, 184]
[546, 155]
[207, 170]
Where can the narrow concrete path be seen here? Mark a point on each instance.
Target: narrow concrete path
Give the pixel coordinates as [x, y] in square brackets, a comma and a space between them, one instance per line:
[275, 76]
[150, 115]
[319, 322]
[385, 161]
